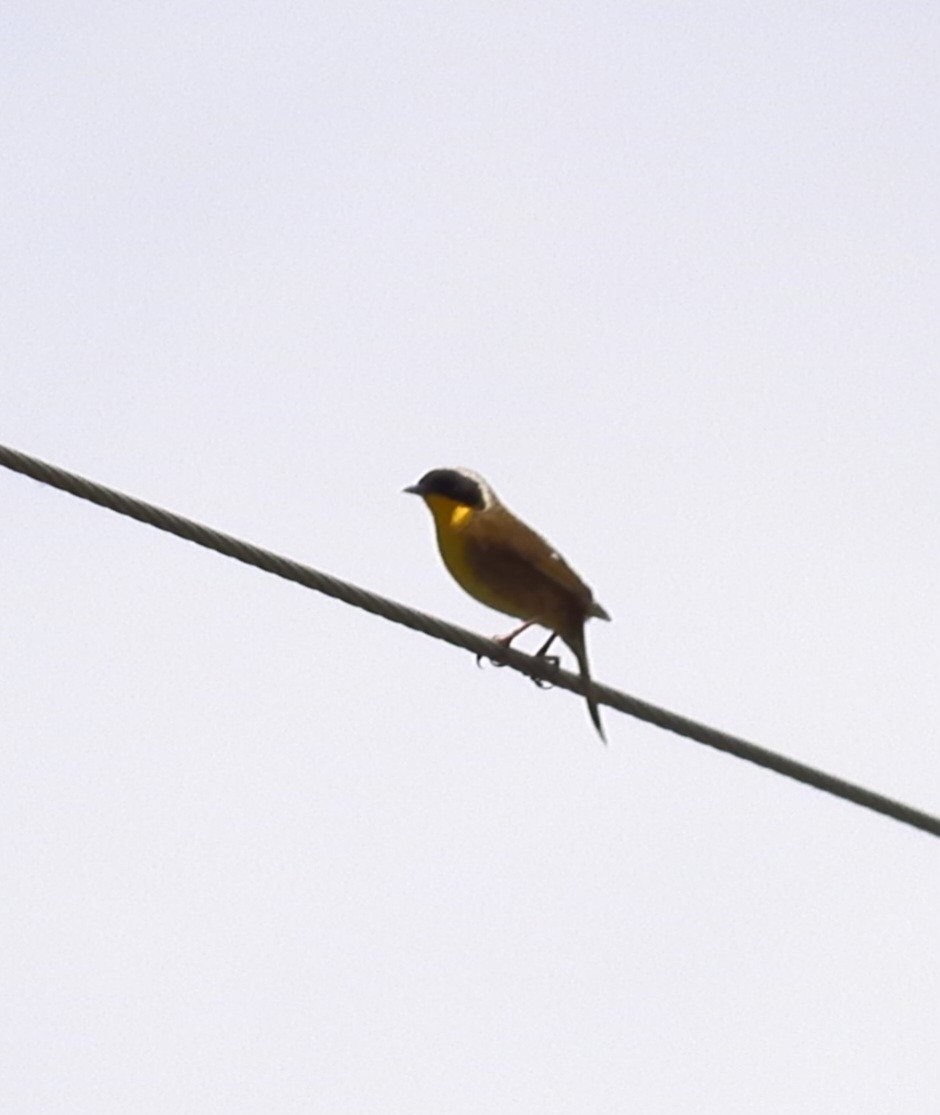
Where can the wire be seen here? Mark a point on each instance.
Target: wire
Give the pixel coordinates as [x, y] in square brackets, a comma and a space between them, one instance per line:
[457, 636]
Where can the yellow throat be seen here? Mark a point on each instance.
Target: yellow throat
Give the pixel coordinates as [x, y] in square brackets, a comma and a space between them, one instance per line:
[449, 515]
[450, 520]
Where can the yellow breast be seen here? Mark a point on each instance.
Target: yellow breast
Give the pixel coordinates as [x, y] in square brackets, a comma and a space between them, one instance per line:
[451, 521]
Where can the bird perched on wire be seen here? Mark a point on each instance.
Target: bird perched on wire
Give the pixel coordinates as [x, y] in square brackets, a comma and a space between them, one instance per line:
[504, 564]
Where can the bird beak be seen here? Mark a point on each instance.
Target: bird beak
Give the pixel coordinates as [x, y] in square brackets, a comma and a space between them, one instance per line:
[413, 489]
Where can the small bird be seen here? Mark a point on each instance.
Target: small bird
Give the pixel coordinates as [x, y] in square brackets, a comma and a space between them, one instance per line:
[504, 564]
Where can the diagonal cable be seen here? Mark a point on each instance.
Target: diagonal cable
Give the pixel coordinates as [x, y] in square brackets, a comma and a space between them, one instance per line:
[457, 636]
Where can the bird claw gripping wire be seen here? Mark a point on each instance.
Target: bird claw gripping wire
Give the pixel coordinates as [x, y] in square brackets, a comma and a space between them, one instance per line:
[544, 683]
[492, 661]
[505, 640]
[502, 641]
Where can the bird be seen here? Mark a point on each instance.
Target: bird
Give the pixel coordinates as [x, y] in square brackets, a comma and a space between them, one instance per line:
[506, 565]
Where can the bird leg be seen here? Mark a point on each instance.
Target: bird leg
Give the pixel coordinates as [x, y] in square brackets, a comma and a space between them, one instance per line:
[542, 652]
[504, 640]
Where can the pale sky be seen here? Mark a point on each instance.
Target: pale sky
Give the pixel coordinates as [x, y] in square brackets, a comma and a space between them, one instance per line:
[667, 275]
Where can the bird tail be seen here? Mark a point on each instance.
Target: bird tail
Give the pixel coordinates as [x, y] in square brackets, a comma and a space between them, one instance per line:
[575, 640]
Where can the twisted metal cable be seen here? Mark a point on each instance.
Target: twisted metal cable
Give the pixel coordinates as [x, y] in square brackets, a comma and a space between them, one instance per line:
[533, 667]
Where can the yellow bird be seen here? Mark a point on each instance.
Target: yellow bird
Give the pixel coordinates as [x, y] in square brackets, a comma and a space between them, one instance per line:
[504, 564]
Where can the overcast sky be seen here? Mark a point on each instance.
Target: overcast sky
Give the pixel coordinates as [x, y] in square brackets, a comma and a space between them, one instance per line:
[667, 274]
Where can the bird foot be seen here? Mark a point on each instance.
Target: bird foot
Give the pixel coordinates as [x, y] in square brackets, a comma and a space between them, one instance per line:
[506, 640]
[500, 641]
[544, 683]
